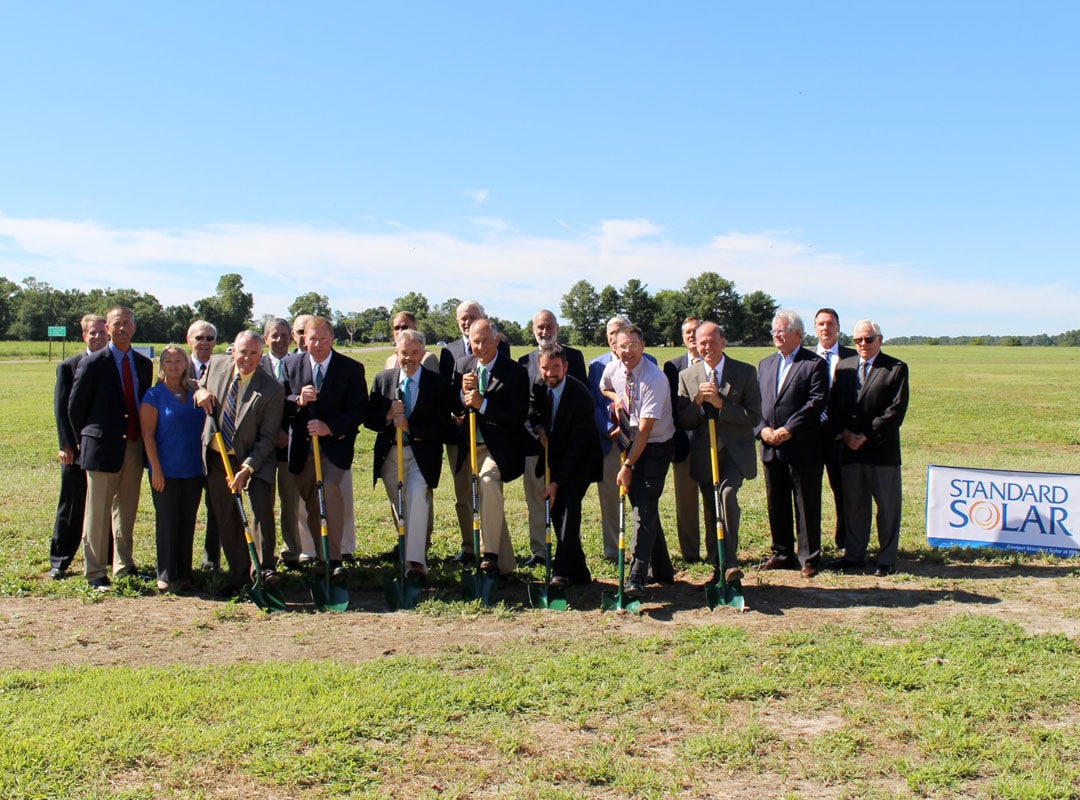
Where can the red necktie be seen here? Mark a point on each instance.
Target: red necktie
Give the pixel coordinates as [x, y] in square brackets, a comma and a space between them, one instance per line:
[134, 430]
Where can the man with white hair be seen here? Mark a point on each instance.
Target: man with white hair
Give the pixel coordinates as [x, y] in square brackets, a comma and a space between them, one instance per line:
[794, 390]
[867, 408]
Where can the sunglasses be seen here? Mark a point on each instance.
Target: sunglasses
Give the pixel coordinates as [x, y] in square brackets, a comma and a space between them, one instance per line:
[205, 338]
[402, 327]
[864, 339]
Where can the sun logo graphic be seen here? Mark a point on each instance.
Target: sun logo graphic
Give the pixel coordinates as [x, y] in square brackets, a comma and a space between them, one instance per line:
[985, 514]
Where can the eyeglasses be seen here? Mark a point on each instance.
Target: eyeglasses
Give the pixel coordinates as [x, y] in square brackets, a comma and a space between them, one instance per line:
[402, 327]
[204, 338]
[629, 347]
[298, 332]
[781, 331]
[864, 339]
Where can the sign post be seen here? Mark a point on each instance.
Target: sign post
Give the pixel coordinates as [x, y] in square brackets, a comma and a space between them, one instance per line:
[58, 332]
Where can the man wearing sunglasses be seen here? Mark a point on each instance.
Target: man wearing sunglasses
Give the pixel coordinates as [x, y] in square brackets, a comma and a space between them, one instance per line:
[867, 407]
[406, 321]
[201, 338]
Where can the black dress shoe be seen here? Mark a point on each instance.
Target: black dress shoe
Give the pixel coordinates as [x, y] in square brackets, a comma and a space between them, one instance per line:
[489, 564]
[841, 565]
[337, 569]
[691, 559]
[634, 587]
[389, 556]
[464, 559]
[270, 577]
[536, 561]
[778, 561]
[348, 558]
[560, 581]
[291, 563]
[102, 584]
[884, 570]
[57, 573]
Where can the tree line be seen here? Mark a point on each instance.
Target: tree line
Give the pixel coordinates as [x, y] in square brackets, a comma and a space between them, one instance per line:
[29, 308]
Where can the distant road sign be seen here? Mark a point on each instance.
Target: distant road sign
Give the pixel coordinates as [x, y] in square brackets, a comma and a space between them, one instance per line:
[59, 331]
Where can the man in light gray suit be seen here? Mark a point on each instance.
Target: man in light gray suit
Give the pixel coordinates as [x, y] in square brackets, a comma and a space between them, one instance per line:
[726, 390]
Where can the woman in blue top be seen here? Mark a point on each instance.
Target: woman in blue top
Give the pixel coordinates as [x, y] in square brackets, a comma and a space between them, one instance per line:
[172, 427]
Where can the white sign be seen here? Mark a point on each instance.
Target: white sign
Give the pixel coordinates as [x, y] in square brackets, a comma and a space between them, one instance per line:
[1028, 511]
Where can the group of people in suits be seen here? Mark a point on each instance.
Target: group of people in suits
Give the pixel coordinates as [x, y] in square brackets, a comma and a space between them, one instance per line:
[621, 422]
[836, 411]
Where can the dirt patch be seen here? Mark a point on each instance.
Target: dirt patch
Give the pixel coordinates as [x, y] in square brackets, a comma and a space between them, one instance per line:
[42, 633]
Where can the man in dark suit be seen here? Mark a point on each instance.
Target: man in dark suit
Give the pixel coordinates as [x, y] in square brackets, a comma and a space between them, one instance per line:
[794, 387]
[104, 410]
[496, 389]
[561, 413]
[201, 338]
[720, 388]
[246, 405]
[686, 490]
[467, 313]
[71, 507]
[827, 328]
[416, 401]
[326, 397]
[867, 408]
[546, 332]
[277, 336]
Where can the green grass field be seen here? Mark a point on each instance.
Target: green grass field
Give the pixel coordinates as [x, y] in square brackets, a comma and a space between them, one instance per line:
[878, 703]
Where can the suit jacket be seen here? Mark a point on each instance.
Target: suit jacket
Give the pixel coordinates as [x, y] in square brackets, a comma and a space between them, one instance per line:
[65, 377]
[97, 411]
[342, 405]
[735, 424]
[574, 453]
[449, 355]
[258, 415]
[798, 406]
[877, 411]
[430, 424]
[503, 422]
[683, 437]
[575, 364]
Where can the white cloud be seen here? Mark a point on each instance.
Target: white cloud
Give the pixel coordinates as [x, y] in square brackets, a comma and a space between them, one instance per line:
[479, 196]
[514, 273]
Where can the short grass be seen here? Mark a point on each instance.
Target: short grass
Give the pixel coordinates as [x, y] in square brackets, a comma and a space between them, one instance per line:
[966, 707]
[970, 706]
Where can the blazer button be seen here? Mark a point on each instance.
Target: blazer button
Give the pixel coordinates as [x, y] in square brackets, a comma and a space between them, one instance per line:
[123, 436]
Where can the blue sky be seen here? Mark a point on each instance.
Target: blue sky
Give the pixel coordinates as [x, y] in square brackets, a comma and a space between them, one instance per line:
[916, 163]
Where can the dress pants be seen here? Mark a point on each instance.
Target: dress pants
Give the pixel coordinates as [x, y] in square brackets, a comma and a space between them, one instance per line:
[462, 496]
[70, 510]
[534, 499]
[293, 524]
[338, 503]
[650, 474]
[794, 498]
[832, 449]
[212, 539]
[112, 498]
[687, 522]
[348, 530]
[418, 506]
[882, 484]
[260, 511]
[494, 533]
[175, 510]
[731, 480]
[569, 560]
[608, 493]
